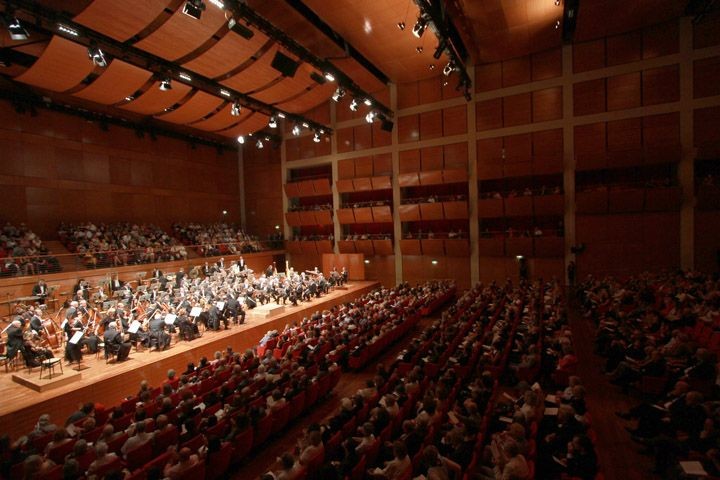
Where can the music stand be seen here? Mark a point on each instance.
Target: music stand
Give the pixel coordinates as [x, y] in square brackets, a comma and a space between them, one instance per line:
[51, 295]
[74, 341]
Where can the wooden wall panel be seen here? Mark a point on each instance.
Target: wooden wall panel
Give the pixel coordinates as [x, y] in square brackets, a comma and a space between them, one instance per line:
[660, 40]
[547, 64]
[431, 159]
[518, 148]
[380, 137]
[705, 77]
[456, 155]
[454, 120]
[345, 141]
[431, 125]
[590, 146]
[409, 161]
[407, 95]
[488, 77]
[382, 164]
[623, 91]
[346, 168]
[515, 71]
[362, 134]
[547, 104]
[547, 142]
[661, 85]
[489, 114]
[661, 131]
[625, 48]
[364, 167]
[707, 32]
[429, 91]
[624, 135]
[705, 125]
[707, 231]
[589, 97]
[408, 129]
[517, 109]
[589, 55]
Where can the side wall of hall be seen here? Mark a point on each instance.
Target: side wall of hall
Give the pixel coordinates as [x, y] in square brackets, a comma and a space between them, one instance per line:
[626, 127]
[57, 167]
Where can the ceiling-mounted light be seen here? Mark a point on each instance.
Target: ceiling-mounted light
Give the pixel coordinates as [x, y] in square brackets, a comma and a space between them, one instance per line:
[354, 105]
[316, 137]
[419, 49]
[431, 66]
[15, 29]
[218, 3]
[272, 123]
[185, 77]
[401, 25]
[557, 3]
[281, 115]
[368, 102]
[557, 24]
[296, 130]
[449, 68]
[240, 29]
[70, 31]
[165, 84]
[259, 144]
[235, 109]
[194, 8]
[339, 93]
[419, 27]
[305, 125]
[241, 139]
[329, 76]
[370, 116]
[97, 56]
[224, 92]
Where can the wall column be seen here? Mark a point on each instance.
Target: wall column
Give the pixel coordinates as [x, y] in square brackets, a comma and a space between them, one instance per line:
[473, 195]
[686, 168]
[241, 188]
[337, 228]
[395, 152]
[568, 154]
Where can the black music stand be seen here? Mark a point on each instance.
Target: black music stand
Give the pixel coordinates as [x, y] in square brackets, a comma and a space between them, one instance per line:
[74, 340]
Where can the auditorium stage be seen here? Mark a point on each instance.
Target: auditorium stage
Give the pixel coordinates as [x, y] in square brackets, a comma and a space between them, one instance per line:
[110, 383]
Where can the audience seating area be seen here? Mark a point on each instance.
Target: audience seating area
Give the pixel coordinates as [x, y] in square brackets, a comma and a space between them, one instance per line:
[216, 239]
[22, 252]
[199, 422]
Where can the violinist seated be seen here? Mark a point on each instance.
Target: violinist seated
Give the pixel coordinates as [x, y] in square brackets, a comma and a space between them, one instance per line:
[234, 310]
[158, 336]
[188, 330]
[34, 353]
[114, 343]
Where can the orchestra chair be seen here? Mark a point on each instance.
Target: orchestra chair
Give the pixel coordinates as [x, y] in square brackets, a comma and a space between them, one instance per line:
[48, 365]
[7, 361]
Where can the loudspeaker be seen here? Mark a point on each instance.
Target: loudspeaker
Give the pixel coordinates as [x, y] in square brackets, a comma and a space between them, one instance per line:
[284, 64]
[387, 125]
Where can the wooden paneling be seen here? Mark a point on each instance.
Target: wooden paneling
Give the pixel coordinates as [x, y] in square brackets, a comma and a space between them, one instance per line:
[589, 55]
[519, 206]
[307, 218]
[382, 164]
[456, 155]
[589, 97]
[547, 64]
[595, 201]
[345, 216]
[431, 125]
[490, 208]
[515, 71]
[454, 120]
[363, 215]
[410, 247]
[454, 176]
[322, 186]
[346, 168]
[382, 214]
[707, 32]
[432, 246]
[547, 205]
[344, 186]
[345, 141]
[660, 40]
[626, 200]
[383, 247]
[705, 75]
[324, 246]
[362, 134]
[408, 129]
[590, 146]
[431, 158]
[491, 247]
[623, 91]
[381, 183]
[457, 247]
[323, 217]
[346, 246]
[431, 178]
[409, 213]
[410, 161]
[293, 219]
[547, 104]
[519, 246]
[661, 85]
[624, 48]
[549, 246]
[488, 77]
[517, 109]
[362, 184]
[663, 199]
[489, 114]
[431, 211]
[455, 210]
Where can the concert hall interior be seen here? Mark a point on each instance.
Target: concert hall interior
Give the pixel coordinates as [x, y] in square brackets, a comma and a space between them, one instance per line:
[305, 239]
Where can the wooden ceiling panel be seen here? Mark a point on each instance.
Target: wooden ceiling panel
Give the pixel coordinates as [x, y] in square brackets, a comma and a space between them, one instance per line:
[62, 66]
[119, 80]
[257, 75]
[308, 100]
[288, 87]
[232, 50]
[218, 121]
[155, 101]
[121, 20]
[610, 17]
[182, 34]
[256, 121]
[197, 107]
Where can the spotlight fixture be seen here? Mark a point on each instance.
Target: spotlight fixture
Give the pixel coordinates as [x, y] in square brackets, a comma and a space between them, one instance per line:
[419, 27]
[240, 29]
[235, 109]
[330, 77]
[16, 30]
[259, 144]
[272, 123]
[165, 84]
[218, 3]
[557, 24]
[281, 115]
[241, 139]
[194, 8]
[401, 25]
[557, 3]
[419, 49]
[296, 130]
[185, 77]
[339, 93]
[97, 56]
[449, 68]
[67, 30]
[305, 125]
[224, 92]
[354, 105]
[431, 66]
[370, 116]
[368, 102]
[316, 137]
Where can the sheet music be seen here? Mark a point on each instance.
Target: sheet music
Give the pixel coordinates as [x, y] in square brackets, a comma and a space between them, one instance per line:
[170, 318]
[134, 327]
[220, 305]
[196, 311]
[76, 338]
[693, 468]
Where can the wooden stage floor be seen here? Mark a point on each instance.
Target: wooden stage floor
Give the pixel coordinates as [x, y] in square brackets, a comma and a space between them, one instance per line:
[108, 384]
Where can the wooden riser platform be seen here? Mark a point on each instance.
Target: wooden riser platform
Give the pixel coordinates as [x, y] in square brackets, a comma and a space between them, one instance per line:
[109, 383]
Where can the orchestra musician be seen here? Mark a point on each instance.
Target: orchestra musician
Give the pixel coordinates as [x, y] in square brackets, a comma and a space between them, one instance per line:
[158, 335]
[179, 277]
[36, 323]
[40, 289]
[34, 353]
[116, 284]
[15, 341]
[81, 290]
[115, 344]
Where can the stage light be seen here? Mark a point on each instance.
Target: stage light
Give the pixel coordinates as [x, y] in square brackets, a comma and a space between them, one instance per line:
[557, 3]
[419, 49]
[519, 257]
[370, 117]
[235, 109]
[68, 30]
[366, 261]
[97, 56]
[316, 137]
[218, 3]
[401, 25]
[419, 27]
[354, 105]
[224, 92]
[240, 29]
[557, 24]
[241, 139]
[280, 115]
[259, 145]
[277, 227]
[330, 77]
[431, 67]
[434, 262]
[296, 130]
[185, 77]
[339, 93]
[272, 123]
[194, 8]
[305, 125]
[165, 84]
[368, 102]
[449, 68]
[16, 30]
[224, 212]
